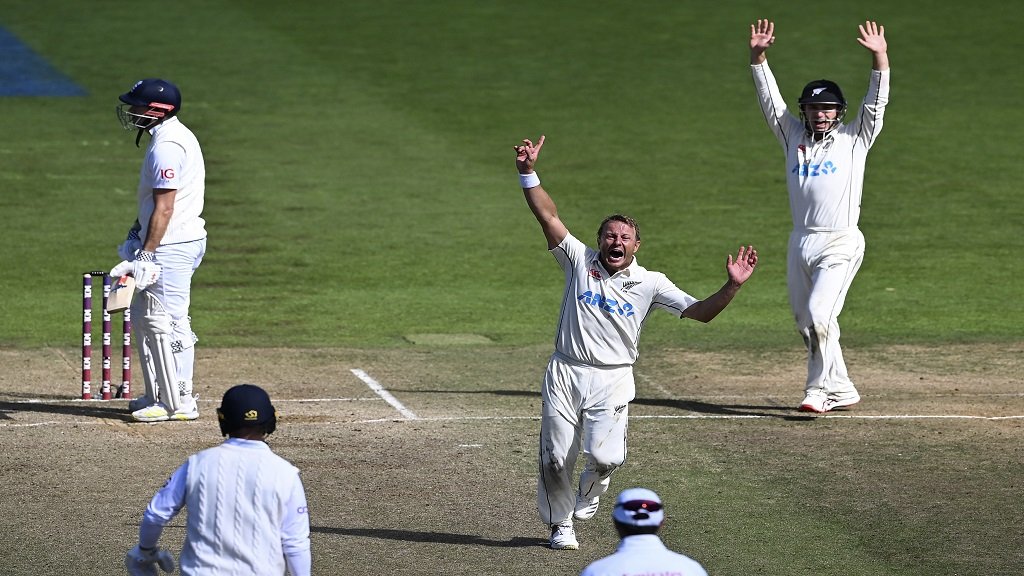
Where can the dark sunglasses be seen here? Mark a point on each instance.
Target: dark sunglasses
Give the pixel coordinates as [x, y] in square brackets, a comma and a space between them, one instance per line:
[640, 506]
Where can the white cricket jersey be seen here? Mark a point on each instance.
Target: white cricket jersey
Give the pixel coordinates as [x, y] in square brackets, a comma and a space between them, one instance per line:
[247, 512]
[174, 161]
[644, 555]
[601, 314]
[825, 178]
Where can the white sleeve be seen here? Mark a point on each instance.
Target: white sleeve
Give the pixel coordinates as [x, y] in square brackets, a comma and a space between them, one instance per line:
[166, 162]
[295, 532]
[776, 114]
[166, 504]
[869, 120]
[671, 299]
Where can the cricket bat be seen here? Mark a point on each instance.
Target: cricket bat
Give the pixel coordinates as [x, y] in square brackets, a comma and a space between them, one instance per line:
[121, 292]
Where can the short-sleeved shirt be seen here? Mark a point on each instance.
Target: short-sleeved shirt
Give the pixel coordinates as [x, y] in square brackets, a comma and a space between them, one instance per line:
[644, 554]
[174, 161]
[602, 314]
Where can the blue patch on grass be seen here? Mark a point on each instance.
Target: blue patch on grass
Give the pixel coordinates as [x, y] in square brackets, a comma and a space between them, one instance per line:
[25, 73]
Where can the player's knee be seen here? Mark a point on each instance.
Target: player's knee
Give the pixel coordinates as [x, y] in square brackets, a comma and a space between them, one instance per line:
[604, 463]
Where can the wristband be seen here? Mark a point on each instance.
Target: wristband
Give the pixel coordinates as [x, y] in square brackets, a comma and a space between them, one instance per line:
[530, 180]
[144, 256]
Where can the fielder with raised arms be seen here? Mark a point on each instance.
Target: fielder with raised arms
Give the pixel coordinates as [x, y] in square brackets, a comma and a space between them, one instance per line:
[825, 162]
[589, 379]
[163, 249]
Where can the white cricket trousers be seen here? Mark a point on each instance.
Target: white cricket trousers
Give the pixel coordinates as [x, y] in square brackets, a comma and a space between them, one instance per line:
[582, 406]
[821, 267]
[178, 262]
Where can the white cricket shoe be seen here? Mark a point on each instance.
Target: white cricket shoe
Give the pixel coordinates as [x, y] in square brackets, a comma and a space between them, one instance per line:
[585, 509]
[187, 409]
[814, 403]
[563, 537]
[153, 413]
[844, 400]
[139, 403]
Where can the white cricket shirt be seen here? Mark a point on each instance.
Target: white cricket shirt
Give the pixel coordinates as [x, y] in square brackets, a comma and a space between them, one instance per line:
[644, 555]
[825, 178]
[247, 512]
[602, 314]
[174, 161]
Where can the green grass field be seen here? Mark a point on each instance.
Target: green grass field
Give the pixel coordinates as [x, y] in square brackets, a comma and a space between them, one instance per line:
[361, 189]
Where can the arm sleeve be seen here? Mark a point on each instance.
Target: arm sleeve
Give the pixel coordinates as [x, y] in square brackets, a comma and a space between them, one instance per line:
[773, 106]
[165, 505]
[869, 119]
[166, 164]
[671, 299]
[295, 532]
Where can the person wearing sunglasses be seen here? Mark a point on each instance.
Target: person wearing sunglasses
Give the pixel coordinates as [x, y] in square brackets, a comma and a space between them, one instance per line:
[639, 516]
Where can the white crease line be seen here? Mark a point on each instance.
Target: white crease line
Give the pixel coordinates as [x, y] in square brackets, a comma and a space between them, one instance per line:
[803, 415]
[650, 417]
[101, 402]
[376, 387]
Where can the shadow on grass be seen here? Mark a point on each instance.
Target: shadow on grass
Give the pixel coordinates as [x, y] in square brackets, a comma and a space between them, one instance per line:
[432, 537]
[78, 409]
[780, 412]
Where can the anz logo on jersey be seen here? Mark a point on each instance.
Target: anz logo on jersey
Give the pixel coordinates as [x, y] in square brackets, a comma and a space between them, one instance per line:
[814, 169]
[606, 304]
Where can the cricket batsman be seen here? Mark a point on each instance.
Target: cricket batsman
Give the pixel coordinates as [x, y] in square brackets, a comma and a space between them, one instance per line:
[163, 248]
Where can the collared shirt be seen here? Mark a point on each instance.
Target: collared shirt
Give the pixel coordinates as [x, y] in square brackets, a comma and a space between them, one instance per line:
[247, 512]
[644, 555]
[825, 178]
[602, 314]
[174, 161]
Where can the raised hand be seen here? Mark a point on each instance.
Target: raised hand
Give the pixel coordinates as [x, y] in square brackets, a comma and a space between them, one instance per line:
[526, 155]
[872, 37]
[762, 36]
[740, 269]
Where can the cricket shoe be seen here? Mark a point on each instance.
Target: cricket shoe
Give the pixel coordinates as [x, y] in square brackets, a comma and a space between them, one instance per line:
[139, 403]
[563, 537]
[814, 403]
[188, 409]
[153, 413]
[585, 508]
[844, 400]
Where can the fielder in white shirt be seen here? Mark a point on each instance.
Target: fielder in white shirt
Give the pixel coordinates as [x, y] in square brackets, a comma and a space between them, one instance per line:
[638, 516]
[825, 162]
[247, 511]
[163, 249]
[589, 380]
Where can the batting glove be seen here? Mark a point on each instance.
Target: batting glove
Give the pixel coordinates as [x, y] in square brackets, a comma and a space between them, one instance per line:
[131, 245]
[141, 562]
[144, 269]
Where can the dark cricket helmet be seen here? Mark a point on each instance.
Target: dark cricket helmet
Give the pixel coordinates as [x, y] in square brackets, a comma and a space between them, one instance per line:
[161, 99]
[246, 406]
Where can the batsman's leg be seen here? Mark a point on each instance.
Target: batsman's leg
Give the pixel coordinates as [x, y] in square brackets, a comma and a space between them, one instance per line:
[155, 325]
[179, 262]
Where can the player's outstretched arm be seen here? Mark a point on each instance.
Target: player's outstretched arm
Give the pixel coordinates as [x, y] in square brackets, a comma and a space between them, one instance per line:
[872, 37]
[762, 36]
[739, 271]
[537, 198]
